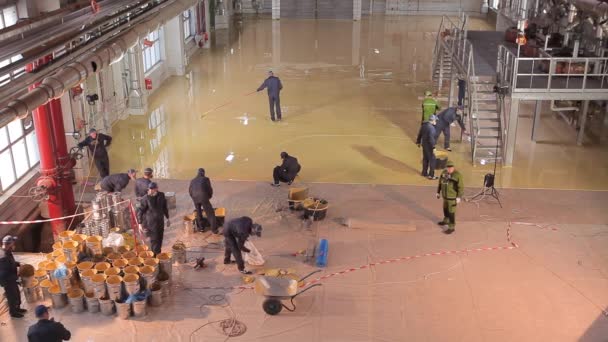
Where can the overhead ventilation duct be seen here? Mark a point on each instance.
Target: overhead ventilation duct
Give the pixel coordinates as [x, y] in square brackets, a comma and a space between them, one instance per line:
[76, 72]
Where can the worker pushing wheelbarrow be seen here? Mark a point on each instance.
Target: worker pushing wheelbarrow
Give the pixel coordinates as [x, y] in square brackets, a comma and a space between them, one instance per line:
[277, 289]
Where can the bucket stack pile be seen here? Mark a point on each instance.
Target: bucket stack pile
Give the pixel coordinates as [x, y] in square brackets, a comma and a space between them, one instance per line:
[108, 210]
[116, 280]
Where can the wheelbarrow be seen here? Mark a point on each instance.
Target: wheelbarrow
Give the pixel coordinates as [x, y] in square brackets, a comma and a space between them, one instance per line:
[277, 289]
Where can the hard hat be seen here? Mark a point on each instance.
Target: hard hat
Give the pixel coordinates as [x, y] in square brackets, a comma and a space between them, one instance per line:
[428, 93]
[449, 163]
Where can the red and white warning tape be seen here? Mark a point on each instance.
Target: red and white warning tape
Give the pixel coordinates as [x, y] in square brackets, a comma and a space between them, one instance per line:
[407, 258]
[58, 218]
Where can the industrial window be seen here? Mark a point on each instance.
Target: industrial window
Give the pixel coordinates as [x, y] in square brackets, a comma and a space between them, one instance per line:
[4, 79]
[8, 16]
[158, 124]
[18, 151]
[151, 49]
[494, 4]
[187, 21]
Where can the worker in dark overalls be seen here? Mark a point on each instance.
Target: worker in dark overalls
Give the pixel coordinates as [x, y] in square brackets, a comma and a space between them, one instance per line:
[444, 121]
[9, 277]
[201, 193]
[141, 184]
[98, 144]
[118, 181]
[151, 216]
[273, 86]
[426, 139]
[236, 232]
[287, 171]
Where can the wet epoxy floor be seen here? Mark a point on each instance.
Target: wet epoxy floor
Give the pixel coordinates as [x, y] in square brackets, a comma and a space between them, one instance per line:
[351, 114]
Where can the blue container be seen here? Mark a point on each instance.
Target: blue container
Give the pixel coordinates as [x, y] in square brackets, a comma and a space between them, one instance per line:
[322, 253]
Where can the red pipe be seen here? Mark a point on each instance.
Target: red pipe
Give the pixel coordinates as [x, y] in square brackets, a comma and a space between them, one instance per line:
[48, 166]
[64, 161]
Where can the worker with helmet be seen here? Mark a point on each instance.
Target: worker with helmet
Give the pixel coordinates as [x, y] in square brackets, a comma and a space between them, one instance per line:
[429, 106]
[150, 214]
[141, 184]
[451, 189]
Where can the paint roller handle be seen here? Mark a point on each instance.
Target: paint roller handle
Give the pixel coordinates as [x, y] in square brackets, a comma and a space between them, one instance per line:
[309, 274]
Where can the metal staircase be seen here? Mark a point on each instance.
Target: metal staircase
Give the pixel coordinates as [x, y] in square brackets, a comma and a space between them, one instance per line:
[453, 56]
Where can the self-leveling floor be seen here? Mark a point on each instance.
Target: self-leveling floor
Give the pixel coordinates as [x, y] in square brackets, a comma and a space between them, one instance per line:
[351, 111]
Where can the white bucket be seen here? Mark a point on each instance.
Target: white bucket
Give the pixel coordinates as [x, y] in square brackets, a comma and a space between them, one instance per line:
[156, 298]
[76, 298]
[92, 303]
[165, 288]
[114, 285]
[131, 283]
[139, 308]
[123, 310]
[32, 292]
[45, 286]
[99, 285]
[64, 283]
[107, 306]
[166, 263]
[58, 298]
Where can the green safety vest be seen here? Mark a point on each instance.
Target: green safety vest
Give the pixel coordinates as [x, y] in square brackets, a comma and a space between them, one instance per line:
[429, 107]
[451, 185]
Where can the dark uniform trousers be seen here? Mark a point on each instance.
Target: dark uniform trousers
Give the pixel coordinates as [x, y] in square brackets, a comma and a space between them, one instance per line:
[205, 205]
[156, 239]
[443, 127]
[103, 166]
[275, 101]
[279, 175]
[428, 161]
[233, 248]
[13, 296]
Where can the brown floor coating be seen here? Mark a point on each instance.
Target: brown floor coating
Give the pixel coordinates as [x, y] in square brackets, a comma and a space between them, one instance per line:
[552, 288]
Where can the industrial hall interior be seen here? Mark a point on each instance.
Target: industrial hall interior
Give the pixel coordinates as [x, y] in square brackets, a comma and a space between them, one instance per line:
[304, 170]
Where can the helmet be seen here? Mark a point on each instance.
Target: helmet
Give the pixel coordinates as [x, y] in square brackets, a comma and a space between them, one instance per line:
[428, 93]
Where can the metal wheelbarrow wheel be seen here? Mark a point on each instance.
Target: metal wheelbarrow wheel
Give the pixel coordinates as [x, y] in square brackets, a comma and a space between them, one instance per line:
[272, 306]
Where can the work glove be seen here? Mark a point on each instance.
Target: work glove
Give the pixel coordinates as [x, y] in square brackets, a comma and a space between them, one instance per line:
[438, 196]
[457, 200]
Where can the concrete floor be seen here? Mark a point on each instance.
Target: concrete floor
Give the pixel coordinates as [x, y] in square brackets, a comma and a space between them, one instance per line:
[351, 111]
[553, 287]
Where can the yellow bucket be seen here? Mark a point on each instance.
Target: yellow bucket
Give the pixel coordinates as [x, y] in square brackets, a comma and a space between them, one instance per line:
[40, 274]
[131, 270]
[70, 250]
[55, 289]
[56, 253]
[88, 273]
[61, 259]
[136, 261]
[129, 278]
[114, 284]
[85, 265]
[121, 263]
[112, 271]
[151, 262]
[102, 266]
[82, 241]
[98, 278]
[94, 244]
[75, 293]
[141, 248]
[164, 256]
[42, 264]
[146, 254]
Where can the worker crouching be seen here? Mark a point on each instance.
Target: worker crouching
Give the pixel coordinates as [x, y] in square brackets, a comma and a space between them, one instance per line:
[236, 233]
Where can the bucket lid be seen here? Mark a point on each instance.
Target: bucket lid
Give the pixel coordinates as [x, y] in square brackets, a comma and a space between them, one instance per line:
[56, 253]
[61, 259]
[70, 264]
[98, 278]
[129, 278]
[146, 254]
[129, 255]
[51, 266]
[114, 256]
[107, 250]
[67, 233]
[55, 289]
[141, 248]
[57, 245]
[42, 264]
[75, 293]
[102, 266]
[147, 270]
[151, 262]
[114, 280]
[39, 273]
[131, 269]
[70, 244]
[112, 271]
[164, 256]
[32, 284]
[88, 273]
[123, 249]
[47, 283]
[136, 261]
[90, 295]
[94, 239]
[120, 262]
[79, 238]
[85, 265]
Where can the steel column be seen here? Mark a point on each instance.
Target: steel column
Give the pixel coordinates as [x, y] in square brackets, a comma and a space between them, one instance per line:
[583, 121]
[511, 132]
[536, 120]
[64, 161]
[48, 166]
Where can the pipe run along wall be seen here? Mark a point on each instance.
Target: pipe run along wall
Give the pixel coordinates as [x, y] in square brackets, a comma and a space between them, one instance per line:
[55, 85]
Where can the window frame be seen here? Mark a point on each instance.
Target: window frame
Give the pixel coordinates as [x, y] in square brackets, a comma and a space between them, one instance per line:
[187, 17]
[151, 55]
[26, 132]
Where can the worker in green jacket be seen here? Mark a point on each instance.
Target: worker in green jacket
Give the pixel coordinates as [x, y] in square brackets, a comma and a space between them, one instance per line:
[429, 106]
[451, 189]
